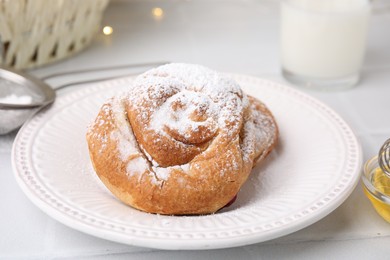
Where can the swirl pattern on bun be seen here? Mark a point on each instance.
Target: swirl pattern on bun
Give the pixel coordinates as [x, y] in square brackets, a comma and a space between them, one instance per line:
[182, 140]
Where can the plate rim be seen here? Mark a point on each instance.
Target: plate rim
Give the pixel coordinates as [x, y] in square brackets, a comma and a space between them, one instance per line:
[190, 243]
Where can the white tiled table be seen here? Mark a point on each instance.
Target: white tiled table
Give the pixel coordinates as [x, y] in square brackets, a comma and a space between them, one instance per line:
[232, 36]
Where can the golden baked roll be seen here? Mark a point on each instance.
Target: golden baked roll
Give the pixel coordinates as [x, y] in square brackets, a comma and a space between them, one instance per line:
[182, 140]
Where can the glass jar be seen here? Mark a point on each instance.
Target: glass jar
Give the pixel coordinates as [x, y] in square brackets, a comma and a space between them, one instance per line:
[323, 42]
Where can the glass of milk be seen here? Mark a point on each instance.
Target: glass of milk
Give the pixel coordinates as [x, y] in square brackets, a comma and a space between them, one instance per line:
[323, 41]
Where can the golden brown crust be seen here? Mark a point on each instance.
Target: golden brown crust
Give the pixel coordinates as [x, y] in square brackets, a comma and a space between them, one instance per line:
[170, 176]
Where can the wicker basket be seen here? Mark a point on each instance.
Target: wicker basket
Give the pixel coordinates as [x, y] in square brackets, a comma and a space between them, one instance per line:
[36, 32]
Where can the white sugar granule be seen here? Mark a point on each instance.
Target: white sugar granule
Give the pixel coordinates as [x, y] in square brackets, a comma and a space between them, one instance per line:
[149, 157]
[163, 173]
[185, 167]
[258, 131]
[179, 120]
[127, 144]
[192, 86]
[136, 166]
[125, 147]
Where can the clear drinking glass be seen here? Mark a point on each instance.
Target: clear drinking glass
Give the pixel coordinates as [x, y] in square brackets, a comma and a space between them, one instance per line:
[323, 42]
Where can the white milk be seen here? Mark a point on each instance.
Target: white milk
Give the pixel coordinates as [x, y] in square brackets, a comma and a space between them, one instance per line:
[323, 38]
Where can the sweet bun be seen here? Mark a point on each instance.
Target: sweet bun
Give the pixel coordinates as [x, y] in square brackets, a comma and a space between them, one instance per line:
[181, 141]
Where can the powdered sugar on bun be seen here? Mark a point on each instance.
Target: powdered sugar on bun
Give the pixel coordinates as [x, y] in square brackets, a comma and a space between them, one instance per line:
[181, 140]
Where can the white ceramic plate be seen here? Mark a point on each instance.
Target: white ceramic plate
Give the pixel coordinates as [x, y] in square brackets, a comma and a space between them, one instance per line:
[311, 172]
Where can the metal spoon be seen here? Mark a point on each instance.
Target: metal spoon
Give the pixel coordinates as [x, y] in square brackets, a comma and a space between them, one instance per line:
[13, 115]
[42, 94]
